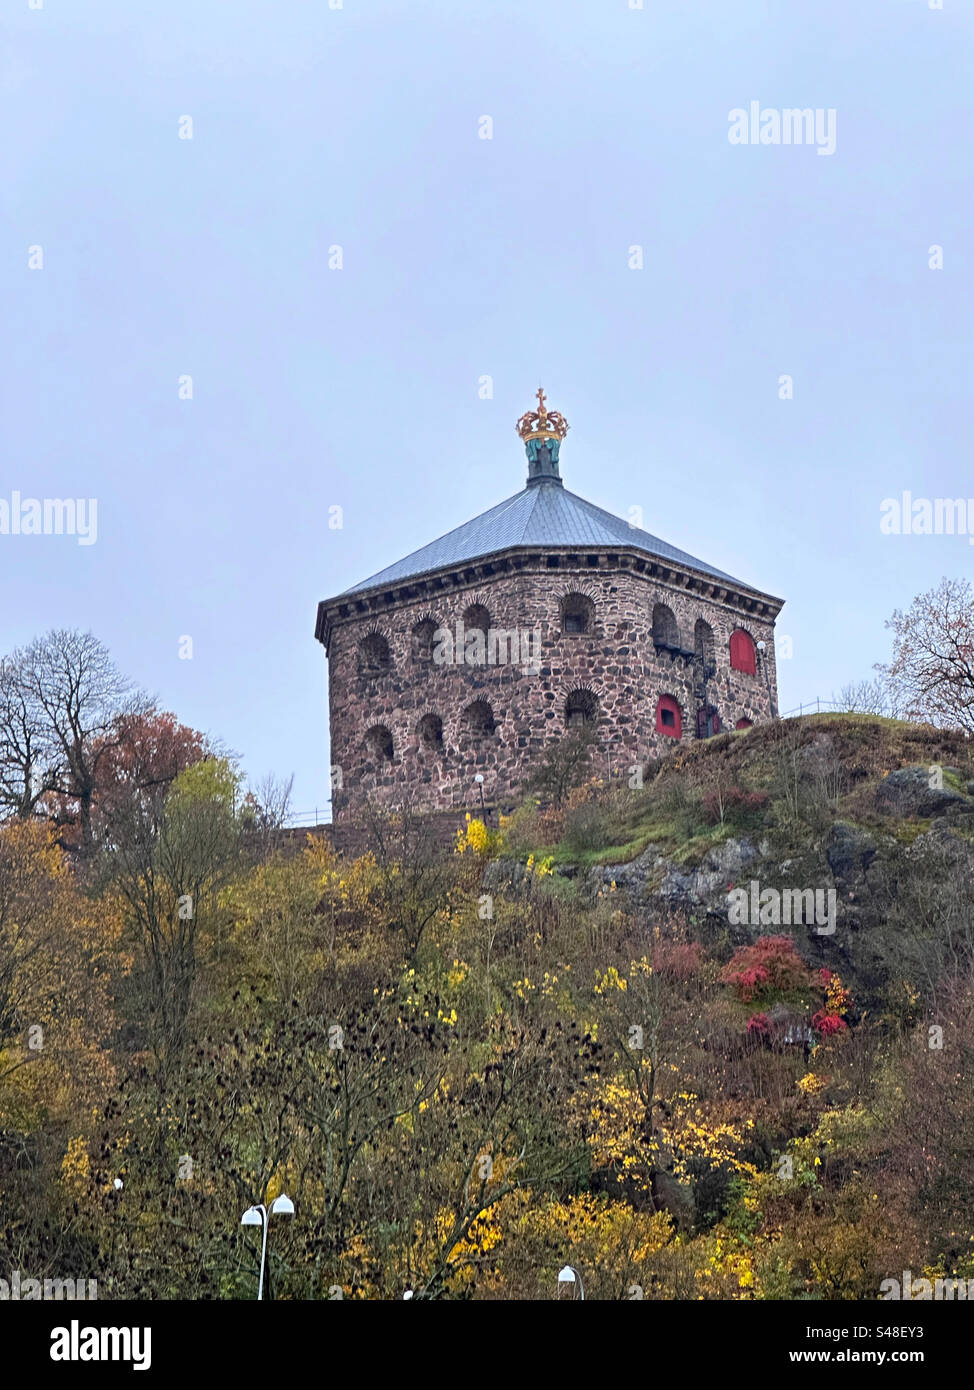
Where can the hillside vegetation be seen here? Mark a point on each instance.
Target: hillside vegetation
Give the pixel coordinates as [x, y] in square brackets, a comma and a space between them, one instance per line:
[550, 1044]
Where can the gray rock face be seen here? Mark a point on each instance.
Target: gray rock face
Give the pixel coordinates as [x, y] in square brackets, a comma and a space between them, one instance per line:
[630, 878]
[721, 866]
[849, 851]
[907, 792]
[505, 875]
[694, 887]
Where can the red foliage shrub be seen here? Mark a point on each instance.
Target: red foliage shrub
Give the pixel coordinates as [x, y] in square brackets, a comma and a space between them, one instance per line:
[758, 1025]
[772, 964]
[748, 982]
[827, 1024]
[679, 960]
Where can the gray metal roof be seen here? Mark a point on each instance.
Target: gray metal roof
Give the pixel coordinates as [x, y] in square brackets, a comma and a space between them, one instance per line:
[541, 515]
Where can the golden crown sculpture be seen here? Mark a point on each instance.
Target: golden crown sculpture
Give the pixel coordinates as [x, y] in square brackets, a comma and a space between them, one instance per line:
[541, 423]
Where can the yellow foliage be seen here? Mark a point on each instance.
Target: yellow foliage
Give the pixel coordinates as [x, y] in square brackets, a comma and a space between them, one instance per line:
[76, 1167]
[610, 980]
[474, 837]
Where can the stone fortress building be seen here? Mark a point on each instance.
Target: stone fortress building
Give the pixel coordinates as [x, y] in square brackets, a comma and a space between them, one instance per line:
[464, 660]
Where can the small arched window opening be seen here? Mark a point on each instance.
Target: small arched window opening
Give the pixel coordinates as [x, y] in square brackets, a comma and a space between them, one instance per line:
[577, 614]
[430, 730]
[744, 724]
[703, 647]
[478, 719]
[476, 617]
[424, 635]
[581, 708]
[374, 655]
[378, 741]
[476, 625]
[743, 656]
[669, 717]
[708, 721]
[666, 632]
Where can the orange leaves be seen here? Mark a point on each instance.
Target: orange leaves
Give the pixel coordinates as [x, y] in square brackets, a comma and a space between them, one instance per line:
[772, 964]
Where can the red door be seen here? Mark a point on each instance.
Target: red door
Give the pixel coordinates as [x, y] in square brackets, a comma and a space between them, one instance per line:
[708, 722]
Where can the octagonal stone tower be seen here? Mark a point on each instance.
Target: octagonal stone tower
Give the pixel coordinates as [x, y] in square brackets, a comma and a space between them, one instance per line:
[468, 657]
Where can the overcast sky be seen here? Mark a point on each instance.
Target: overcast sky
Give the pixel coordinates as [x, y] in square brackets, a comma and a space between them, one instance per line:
[462, 258]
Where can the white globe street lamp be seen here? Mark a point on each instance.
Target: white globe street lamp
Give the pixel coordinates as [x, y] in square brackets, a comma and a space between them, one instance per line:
[763, 661]
[568, 1275]
[258, 1216]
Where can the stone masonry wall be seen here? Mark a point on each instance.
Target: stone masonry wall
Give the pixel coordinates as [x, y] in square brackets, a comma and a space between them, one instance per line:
[616, 661]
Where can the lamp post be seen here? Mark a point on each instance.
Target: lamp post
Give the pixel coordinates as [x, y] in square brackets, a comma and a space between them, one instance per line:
[259, 1216]
[762, 653]
[479, 779]
[569, 1278]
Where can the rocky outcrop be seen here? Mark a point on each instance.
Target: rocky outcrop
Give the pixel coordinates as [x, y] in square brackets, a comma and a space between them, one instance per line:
[654, 874]
[849, 851]
[908, 792]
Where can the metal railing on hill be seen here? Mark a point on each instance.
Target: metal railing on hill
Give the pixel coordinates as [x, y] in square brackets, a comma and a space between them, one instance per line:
[298, 820]
[819, 707]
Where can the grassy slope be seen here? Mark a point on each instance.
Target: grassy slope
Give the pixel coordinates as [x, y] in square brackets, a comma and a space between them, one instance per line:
[858, 750]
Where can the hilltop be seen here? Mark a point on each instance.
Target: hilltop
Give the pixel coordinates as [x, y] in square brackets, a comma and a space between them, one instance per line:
[879, 810]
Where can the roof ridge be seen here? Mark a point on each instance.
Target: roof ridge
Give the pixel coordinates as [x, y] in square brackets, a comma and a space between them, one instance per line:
[535, 494]
[563, 518]
[493, 512]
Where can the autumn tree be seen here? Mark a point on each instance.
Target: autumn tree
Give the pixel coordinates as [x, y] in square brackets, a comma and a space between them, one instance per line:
[414, 875]
[59, 954]
[867, 697]
[564, 764]
[929, 1121]
[932, 669]
[67, 699]
[642, 1136]
[168, 866]
[501, 1124]
[266, 810]
[29, 763]
[136, 763]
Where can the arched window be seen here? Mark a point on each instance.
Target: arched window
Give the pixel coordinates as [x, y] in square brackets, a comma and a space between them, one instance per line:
[476, 625]
[743, 657]
[577, 614]
[666, 632]
[478, 720]
[744, 724]
[708, 721]
[476, 616]
[374, 655]
[669, 718]
[378, 741]
[703, 645]
[423, 635]
[430, 730]
[581, 707]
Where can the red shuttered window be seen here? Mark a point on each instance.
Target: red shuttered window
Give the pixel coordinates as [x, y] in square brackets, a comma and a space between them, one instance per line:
[743, 657]
[669, 720]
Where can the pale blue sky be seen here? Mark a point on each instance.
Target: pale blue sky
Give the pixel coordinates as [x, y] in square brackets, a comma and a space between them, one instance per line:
[464, 257]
